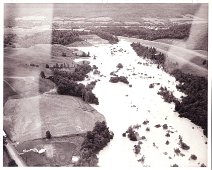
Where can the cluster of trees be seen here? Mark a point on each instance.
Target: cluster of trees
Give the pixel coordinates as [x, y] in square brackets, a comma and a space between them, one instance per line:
[176, 31]
[106, 35]
[175, 165]
[67, 85]
[94, 142]
[177, 151]
[137, 148]
[91, 85]
[65, 37]
[149, 53]
[119, 79]
[48, 134]
[182, 144]
[131, 134]
[78, 74]
[9, 39]
[194, 105]
[85, 55]
[42, 75]
[57, 66]
[34, 65]
[167, 95]
[193, 157]
[119, 66]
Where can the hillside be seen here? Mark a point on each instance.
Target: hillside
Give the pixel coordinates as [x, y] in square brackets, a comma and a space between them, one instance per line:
[76, 117]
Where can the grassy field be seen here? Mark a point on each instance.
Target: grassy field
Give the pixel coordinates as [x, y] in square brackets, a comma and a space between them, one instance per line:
[40, 54]
[59, 151]
[29, 111]
[61, 115]
[8, 91]
[24, 78]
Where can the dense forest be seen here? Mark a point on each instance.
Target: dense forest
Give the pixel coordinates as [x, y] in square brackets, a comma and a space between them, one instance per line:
[176, 31]
[94, 142]
[194, 105]
[67, 85]
[79, 73]
[167, 95]
[149, 53]
[65, 37]
[105, 35]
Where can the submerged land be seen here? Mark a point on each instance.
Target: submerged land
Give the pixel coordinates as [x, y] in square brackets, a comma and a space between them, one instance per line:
[85, 90]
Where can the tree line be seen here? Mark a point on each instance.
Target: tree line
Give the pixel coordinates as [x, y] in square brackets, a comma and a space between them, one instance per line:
[65, 37]
[176, 31]
[94, 142]
[194, 105]
[149, 53]
[67, 85]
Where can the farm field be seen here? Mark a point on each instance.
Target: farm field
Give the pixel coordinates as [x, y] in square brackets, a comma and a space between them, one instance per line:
[59, 151]
[106, 85]
[75, 118]
[27, 95]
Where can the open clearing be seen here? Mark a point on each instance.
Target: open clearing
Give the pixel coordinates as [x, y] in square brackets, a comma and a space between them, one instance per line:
[25, 78]
[75, 117]
[9, 91]
[58, 151]
[40, 54]
[30, 108]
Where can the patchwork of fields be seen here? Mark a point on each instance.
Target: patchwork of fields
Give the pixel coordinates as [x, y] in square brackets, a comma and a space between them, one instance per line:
[33, 106]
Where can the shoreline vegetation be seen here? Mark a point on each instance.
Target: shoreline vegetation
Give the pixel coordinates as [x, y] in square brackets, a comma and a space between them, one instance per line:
[74, 76]
[93, 143]
[66, 37]
[176, 31]
[194, 105]
[66, 83]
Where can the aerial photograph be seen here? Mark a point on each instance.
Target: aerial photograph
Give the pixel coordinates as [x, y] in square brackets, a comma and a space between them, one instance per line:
[105, 85]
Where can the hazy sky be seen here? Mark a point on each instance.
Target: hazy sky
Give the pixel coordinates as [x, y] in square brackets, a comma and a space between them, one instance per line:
[125, 12]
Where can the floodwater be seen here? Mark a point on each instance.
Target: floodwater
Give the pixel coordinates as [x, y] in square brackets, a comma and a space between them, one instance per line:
[124, 106]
